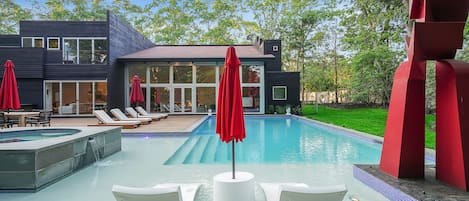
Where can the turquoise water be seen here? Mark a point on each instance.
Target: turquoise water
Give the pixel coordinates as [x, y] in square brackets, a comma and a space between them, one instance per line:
[276, 140]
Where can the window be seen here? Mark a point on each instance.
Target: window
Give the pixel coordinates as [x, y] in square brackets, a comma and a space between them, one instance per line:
[182, 74]
[85, 51]
[53, 43]
[37, 42]
[251, 74]
[279, 92]
[138, 69]
[205, 74]
[159, 74]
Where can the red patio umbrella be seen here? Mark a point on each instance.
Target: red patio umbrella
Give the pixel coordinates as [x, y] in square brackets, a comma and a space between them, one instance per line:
[230, 117]
[9, 98]
[136, 94]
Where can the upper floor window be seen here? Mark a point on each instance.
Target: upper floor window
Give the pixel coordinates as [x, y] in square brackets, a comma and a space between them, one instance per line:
[85, 50]
[37, 42]
[53, 43]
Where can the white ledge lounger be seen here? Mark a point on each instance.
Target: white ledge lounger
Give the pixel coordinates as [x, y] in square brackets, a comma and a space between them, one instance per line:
[302, 192]
[161, 192]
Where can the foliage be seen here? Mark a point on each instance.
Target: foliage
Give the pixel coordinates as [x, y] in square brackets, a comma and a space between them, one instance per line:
[351, 46]
[270, 109]
[430, 88]
[372, 75]
[10, 15]
[368, 120]
[280, 109]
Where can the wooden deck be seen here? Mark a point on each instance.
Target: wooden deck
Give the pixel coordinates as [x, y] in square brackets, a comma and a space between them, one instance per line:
[172, 124]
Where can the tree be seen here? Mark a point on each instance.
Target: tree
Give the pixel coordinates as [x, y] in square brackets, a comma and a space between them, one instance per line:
[10, 15]
[267, 15]
[298, 25]
[376, 42]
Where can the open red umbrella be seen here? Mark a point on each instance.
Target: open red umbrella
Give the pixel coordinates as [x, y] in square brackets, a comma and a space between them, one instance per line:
[230, 117]
[136, 94]
[9, 98]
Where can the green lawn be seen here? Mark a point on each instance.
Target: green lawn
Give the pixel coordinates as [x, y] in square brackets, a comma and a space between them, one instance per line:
[368, 120]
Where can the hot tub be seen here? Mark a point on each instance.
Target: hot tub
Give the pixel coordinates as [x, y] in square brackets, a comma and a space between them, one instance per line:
[32, 158]
[35, 134]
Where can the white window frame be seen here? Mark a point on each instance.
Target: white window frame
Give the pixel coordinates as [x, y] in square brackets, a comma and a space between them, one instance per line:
[147, 86]
[58, 43]
[78, 45]
[32, 41]
[279, 87]
[77, 94]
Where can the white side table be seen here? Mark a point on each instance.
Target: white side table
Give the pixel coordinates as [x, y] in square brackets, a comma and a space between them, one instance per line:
[227, 189]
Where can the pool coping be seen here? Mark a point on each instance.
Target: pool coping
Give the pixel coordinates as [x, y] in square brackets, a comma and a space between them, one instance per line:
[52, 142]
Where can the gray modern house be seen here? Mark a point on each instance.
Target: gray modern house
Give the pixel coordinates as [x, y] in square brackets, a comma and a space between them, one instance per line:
[75, 67]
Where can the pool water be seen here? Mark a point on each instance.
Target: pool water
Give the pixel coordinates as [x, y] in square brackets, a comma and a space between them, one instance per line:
[140, 164]
[34, 134]
[274, 140]
[271, 157]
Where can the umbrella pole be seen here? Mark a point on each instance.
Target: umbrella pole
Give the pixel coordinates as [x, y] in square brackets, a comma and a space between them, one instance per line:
[233, 157]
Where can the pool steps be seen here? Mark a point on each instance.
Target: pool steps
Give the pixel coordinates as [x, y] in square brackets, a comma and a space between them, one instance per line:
[185, 149]
[209, 152]
[197, 151]
[201, 148]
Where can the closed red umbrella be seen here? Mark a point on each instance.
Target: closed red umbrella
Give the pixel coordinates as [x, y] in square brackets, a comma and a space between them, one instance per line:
[9, 98]
[136, 94]
[230, 117]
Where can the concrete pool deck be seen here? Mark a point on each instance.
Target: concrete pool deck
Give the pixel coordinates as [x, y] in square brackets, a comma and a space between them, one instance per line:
[172, 124]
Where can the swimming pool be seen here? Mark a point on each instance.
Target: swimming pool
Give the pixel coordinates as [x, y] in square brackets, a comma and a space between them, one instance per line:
[274, 140]
[141, 164]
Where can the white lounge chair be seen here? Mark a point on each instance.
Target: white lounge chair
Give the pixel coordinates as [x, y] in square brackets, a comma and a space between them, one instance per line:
[122, 117]
[106, 120]
[302, 192]
[145, 113]
[134, 114]
[161, 192]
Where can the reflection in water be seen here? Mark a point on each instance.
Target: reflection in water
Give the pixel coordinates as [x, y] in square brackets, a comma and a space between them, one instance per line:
[277, 140]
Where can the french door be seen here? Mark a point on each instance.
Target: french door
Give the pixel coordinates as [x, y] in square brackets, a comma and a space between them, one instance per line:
[182, 100]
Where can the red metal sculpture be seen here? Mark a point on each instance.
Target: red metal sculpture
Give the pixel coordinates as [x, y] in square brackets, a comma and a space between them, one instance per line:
[437, 34]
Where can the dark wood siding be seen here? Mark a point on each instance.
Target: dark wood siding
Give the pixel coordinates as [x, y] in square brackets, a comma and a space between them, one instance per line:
[28, 61]
[54, 57]
[289, 79]
[30, 92]
[123, 40]
[75, 72]
[274, 64]
[10, 40]
[63, 28]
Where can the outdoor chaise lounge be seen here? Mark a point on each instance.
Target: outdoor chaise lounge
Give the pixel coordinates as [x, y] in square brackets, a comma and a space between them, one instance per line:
[145, 113]
[302, 192]
[122, 117]
[135, 114]
[161, 192]
[106, 120]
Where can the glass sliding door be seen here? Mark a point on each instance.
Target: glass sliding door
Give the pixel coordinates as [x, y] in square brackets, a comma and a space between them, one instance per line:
[100, 95]
[75, 97]
[182, 99]
[85, 98]
[69, 98]
[160, 99]
[205, 99]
